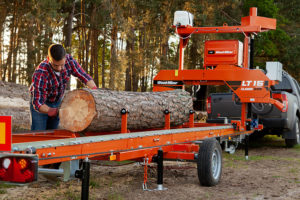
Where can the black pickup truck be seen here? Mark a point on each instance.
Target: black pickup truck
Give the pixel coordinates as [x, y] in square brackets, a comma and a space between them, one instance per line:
[285, 124]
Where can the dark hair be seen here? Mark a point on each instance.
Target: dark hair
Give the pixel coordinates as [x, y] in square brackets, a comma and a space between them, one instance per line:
[56, 52]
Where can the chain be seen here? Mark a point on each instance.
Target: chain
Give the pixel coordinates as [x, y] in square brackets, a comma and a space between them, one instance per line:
[146, 162]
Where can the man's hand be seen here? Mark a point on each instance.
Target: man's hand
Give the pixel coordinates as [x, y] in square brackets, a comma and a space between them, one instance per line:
[91, 84]
[52, 112]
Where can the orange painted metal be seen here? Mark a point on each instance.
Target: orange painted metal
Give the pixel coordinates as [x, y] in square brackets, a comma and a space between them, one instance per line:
[191, 120]
[167, 121]
[249, 24]
[243, 117]
[186, 147]
[218, 52]
[42, 136]
[124, 123]
[174, 155]
[246, 51]
[245, 83]
[250, 85]
[50, 155]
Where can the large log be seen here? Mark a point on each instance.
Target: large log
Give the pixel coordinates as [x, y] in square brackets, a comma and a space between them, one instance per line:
[100, 110]
[14, 101]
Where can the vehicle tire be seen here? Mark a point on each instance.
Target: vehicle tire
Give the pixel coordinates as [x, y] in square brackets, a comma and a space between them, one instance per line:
[209, 162]
[292, 142]
[261, 108]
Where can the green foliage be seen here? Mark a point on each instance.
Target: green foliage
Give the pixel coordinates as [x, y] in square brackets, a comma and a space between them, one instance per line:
[266, 8]
[145, 40]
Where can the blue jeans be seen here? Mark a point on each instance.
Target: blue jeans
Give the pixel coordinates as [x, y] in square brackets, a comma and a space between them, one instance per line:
[41, 121]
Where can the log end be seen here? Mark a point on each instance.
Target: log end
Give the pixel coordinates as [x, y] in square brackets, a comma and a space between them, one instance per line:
[77, 110]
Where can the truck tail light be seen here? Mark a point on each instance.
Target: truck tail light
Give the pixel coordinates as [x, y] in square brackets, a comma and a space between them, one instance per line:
[283, 99]
[18, 168]
[285, 102]
[208, 105]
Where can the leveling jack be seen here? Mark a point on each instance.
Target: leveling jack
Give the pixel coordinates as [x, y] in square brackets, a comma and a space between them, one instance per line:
[160, 168]
[84, 175]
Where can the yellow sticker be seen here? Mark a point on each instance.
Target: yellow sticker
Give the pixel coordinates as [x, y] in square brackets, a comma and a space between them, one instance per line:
[2, 133]
[176, 72]
[112, 157]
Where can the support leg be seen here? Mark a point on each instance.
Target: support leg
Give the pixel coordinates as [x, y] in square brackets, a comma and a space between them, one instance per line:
[84, 176]
[160, 169]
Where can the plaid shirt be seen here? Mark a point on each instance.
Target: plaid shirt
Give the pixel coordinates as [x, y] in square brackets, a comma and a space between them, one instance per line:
[49, 87]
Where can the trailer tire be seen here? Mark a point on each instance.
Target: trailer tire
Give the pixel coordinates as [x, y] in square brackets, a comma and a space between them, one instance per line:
[296, 130]
[209, 162]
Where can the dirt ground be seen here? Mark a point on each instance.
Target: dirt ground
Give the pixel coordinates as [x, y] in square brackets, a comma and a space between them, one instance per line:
[273, 172]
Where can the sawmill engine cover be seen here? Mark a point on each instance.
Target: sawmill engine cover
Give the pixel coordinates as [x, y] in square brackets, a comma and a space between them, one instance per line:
[223, 52]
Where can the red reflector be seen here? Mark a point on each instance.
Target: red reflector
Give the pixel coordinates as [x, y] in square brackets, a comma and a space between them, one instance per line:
[18, 168]
[208, 104]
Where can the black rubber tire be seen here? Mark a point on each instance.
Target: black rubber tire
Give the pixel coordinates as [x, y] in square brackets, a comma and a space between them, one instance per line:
[209, 162]
[261, 108]
[292, 142]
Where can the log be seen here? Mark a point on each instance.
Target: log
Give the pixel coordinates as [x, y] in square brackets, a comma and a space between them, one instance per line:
[14, 101]
[100, 110]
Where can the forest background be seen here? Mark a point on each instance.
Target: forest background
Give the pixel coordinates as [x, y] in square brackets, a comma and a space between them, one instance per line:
[122, 44]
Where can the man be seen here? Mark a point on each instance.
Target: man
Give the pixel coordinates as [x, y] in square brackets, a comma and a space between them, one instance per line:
[49, 82]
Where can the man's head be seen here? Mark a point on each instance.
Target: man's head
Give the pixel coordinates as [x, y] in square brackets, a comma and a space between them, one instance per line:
[57, 56]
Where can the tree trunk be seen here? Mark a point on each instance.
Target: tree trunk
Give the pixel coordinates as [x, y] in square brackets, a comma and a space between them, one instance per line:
[103, 58]
[69, 27]
[100, 110]
[113, 58]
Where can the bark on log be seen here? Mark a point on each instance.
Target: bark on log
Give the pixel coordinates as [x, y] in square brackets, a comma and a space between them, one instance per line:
[100, 110]
[14, 101]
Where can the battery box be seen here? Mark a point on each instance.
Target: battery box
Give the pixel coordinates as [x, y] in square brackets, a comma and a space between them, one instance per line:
[223, 52]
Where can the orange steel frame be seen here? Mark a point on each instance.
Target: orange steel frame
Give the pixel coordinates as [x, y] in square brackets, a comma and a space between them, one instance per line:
[241, 80]
[176, 144]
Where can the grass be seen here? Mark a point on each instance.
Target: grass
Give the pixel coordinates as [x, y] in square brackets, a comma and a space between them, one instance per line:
[267, 141]
[3, 191]
[69, 194]
[236, 157]
[297, 147]
[297, 181]
[94, 183]
[276, 176]
[294, 170]
[4, 185]
[114, 196]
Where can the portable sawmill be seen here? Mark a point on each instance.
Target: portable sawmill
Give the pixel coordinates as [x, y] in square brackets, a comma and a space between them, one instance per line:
[226, 62]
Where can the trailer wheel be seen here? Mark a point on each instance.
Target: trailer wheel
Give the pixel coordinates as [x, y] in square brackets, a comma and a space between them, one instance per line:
[209, 162]
[292, 142]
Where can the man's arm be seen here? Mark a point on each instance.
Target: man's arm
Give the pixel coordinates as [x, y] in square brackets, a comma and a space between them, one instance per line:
[79, 72]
